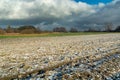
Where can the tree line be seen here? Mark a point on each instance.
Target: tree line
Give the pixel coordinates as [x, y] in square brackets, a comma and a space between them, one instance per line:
[29, 29]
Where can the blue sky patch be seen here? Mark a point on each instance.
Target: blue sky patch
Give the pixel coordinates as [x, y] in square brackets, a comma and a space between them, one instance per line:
[94, 1]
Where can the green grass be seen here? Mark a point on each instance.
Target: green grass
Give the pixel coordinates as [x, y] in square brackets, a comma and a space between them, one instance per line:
[50, 34]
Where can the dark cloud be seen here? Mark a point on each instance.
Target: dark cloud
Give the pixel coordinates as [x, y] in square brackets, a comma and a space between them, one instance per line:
[51, 13]
[107, 14]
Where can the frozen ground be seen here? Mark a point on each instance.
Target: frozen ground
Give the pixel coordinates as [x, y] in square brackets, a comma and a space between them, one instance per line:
[67, 58]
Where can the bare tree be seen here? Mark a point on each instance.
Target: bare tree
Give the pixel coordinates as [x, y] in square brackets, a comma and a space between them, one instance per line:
[117, 29]
[108, 27]
[59, 29]
[91, 29]
[9, 29]
[73, 30]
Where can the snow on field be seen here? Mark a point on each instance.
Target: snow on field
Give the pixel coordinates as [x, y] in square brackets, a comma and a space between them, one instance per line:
[23, 55]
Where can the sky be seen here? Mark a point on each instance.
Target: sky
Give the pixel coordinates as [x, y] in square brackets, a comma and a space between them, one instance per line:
[94, 1]
[48, 14]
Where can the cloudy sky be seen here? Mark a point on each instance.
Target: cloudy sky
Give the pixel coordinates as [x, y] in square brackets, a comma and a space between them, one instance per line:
[48, 14]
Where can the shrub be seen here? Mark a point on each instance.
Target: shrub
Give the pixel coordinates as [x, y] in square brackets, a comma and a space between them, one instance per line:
[27, 31]
[26, 27]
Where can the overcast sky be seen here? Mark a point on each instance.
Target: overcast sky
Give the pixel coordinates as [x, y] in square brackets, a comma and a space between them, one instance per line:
[54, 13]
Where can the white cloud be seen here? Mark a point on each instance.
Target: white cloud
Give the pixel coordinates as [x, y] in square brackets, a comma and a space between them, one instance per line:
[51, 13]
[100, 5]
[25, 9]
